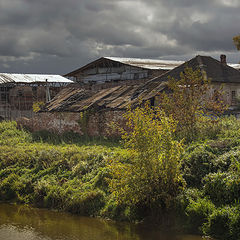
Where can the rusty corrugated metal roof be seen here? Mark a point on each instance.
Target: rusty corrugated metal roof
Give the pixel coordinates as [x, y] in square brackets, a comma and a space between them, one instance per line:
[32, 78]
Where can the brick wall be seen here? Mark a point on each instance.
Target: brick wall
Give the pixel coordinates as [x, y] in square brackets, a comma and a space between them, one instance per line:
[89, 123]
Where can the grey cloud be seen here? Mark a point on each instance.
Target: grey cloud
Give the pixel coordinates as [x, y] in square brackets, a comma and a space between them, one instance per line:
[59, 35]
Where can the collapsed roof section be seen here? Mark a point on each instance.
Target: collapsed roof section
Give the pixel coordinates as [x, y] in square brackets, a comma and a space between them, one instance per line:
[75, 99]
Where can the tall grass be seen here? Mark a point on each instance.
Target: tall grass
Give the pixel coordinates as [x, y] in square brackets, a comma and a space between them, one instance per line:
[64, 172]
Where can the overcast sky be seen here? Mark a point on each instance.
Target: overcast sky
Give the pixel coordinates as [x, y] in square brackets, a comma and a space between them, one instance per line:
[58, 36]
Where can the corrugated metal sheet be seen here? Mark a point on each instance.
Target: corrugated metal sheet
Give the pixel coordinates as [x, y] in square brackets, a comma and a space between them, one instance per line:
[234, 65]
[156, 64]
[32, 78]
[153, 64]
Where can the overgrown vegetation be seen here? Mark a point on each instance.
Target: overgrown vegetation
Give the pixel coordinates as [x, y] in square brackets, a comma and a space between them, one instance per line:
[151, 178]
[188, 101]
[163, 165]
[145, 177]
[39, 169]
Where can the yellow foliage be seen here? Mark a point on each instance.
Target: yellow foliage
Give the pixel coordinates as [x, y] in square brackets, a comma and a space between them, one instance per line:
[152, 177]
[236, 41]
[189, 100]
[37, 106]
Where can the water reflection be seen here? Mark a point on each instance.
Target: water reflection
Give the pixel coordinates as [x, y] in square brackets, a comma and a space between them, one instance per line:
[26, 223]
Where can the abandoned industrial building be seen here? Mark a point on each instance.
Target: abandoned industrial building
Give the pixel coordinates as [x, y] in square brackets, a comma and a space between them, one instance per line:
[114, 71]
[99, 107]
[18, 93]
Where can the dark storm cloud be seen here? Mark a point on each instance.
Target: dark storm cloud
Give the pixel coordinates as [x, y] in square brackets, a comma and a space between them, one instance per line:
[57, 35]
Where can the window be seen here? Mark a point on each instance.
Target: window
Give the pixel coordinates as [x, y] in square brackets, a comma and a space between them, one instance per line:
[34, 90]
[136, 75]
[234, 98]
[20, 93]
[152, 102]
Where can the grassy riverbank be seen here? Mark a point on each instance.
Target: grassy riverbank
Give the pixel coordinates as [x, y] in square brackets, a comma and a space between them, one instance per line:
[71, 173]
[65, 173]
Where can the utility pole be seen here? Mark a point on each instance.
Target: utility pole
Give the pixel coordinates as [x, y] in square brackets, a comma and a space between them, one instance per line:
[48, 97]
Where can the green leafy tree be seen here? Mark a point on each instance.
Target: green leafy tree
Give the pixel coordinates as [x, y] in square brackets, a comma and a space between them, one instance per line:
[152, 177]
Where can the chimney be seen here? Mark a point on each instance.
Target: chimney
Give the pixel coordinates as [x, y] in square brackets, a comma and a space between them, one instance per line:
[223, 59]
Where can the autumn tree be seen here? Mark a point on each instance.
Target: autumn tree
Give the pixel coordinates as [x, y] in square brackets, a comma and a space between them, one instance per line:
[189, 101]
[152, 177]
[236, 41]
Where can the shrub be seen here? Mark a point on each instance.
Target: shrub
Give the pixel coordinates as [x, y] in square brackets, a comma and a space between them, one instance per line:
[7, 187]
[197, 212]
[222, 188]
[86, 203]
[222, 222]
[230, 127]
[197, 162]
[153, 177]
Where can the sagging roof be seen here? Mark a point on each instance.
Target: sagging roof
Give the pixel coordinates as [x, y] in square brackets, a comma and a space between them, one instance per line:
[32, 78]
[213, 69]
[75, 99]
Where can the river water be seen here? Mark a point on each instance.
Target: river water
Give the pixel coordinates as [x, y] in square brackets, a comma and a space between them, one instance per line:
[19, 222]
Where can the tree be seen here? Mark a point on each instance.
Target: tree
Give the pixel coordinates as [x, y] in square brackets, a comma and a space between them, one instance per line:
[152, 177]
[189, 101]
[236, 41]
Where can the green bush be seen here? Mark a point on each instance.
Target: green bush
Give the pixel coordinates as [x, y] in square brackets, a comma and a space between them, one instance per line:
[230, 127]
[222, 188]
[87, 203]
[223, 223]
[198, 161]
[197, 212]
[7, 187]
